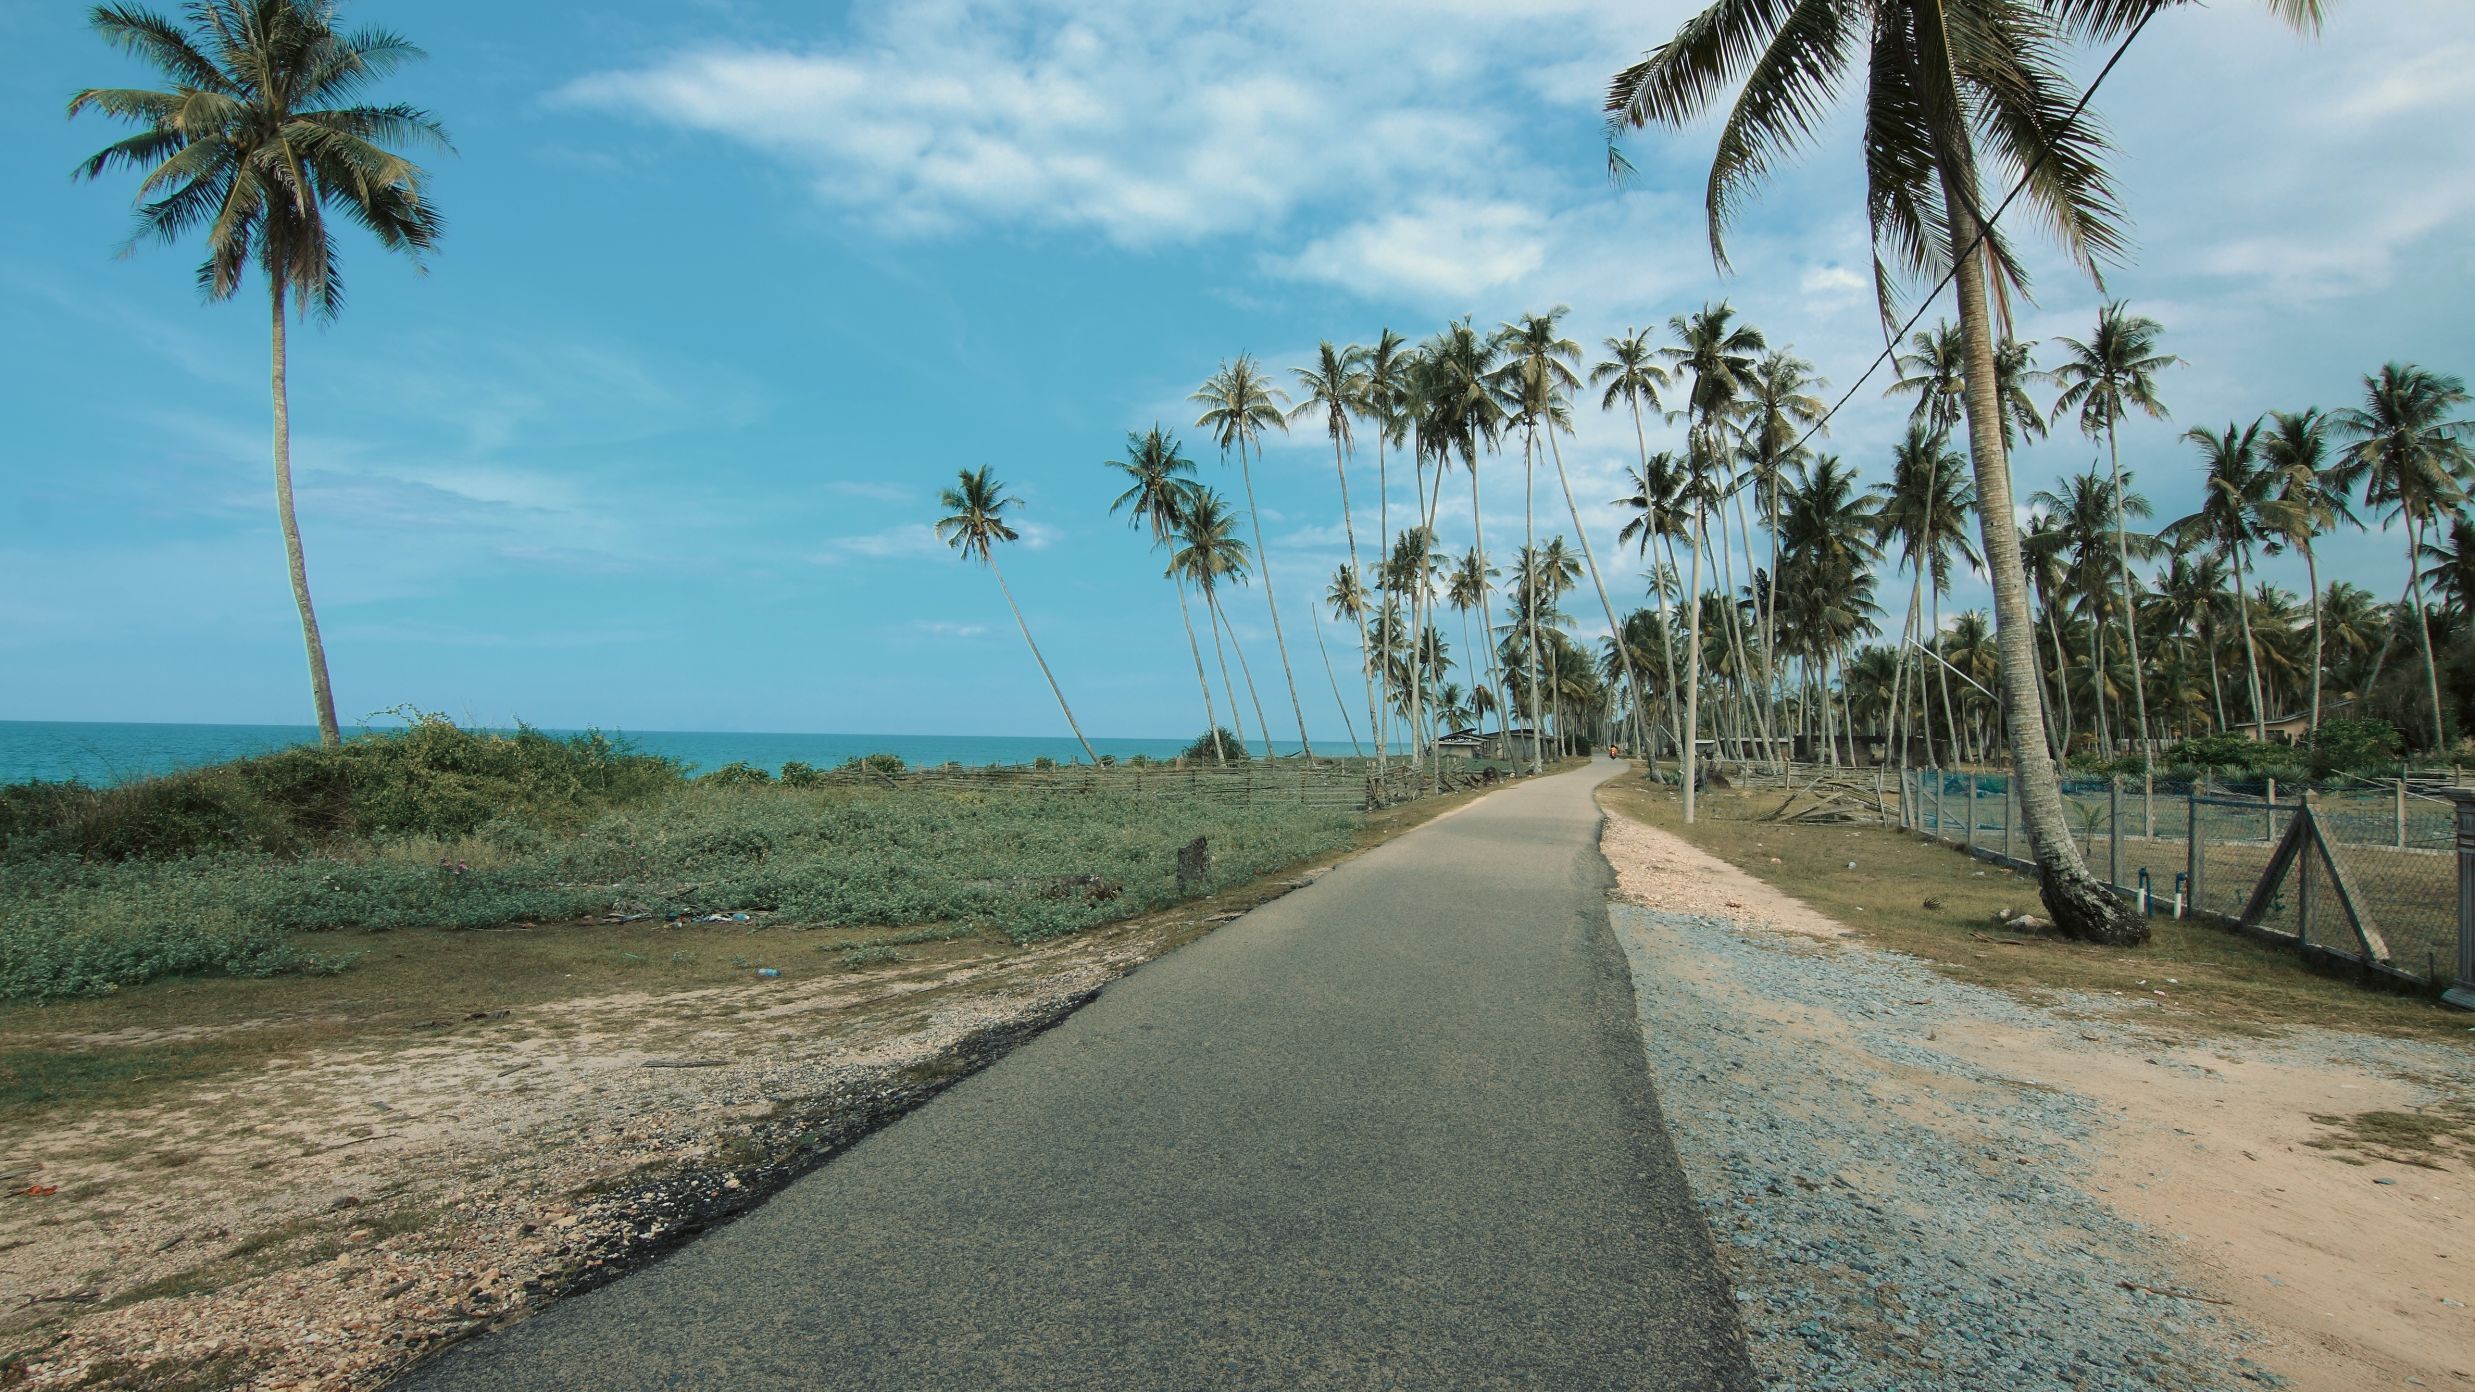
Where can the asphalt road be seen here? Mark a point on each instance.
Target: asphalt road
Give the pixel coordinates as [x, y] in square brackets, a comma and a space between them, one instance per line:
[1394, 1130]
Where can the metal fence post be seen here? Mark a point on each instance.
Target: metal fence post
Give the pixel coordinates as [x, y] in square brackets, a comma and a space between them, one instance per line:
[1938, 818]
[2114, 830]
[1968, 837]
[2462, 994]
[2193, 860]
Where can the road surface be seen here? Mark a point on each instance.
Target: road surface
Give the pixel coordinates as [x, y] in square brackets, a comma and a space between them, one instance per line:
[1393, 1130]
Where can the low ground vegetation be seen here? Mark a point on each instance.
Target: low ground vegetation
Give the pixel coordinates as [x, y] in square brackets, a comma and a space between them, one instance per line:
[281, 864]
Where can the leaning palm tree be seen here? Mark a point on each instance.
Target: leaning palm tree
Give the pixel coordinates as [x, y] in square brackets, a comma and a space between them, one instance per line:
[1208, 554]
[1947, 81]
[2113, 372]
[258, 141]
[973, 525]
[2413, 459]
[2239, 509]
[2296, 450]
[1333, 390]
[1160, 483]
[1239, 404]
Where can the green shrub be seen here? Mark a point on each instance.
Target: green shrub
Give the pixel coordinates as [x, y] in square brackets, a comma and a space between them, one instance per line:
[2369, 745]
[798, 774]
[738, 773]
[1044, 763]
[2229, 753]
[1233, 749]
[888, 764]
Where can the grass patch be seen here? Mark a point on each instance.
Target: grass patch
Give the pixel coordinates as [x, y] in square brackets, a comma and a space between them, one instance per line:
[2226, 981]
[2430, 1137]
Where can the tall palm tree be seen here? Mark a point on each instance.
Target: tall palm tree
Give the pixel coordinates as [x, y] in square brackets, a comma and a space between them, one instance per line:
[1933, 107]
[1460, 415]
[1780, 409]
[2239, 509]
[2412, 457]
[1832, 542]
[2090, 522]
[1334, 389]
[1632, 375]
[1465, 591]
[1925, 508]
[258, 140]
[1934, 370]
[973, 525]
[1208, 554]
[1659, 513]
[1239, 404]
[2043, 546]
[1160, 484]
[2296, 450]
[1314, 617]
[2112, 373]
[1545, 361]
[1719, 356]
[2453, 564]
[1384, 377]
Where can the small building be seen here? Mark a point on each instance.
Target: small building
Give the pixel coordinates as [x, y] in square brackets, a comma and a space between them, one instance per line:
[1473, 743]
[2297, 728]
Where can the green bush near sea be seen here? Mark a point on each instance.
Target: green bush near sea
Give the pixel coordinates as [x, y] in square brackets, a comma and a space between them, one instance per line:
[237, 880]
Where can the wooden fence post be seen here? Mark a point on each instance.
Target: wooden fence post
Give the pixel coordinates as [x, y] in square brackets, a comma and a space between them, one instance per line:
[2268, 816]
[2401, 812]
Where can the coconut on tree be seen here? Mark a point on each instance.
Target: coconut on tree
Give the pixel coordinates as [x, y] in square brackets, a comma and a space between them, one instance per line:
[260, 143]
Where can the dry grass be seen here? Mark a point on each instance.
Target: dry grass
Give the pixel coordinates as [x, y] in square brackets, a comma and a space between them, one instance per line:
[2204, 977]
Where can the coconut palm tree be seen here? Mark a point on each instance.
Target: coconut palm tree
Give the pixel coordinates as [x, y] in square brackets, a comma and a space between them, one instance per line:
[2411, 454]
[2043, 546]
[1460, 414]
[1780, 410]
[1314, 617]
[2239, 509]
[1925, 508]
[2296, 449]
[1465, 591]
[258, 140]
[1719, 356]
[1333, 390]
[1934, 107]
[1832, 543]
[1209, 553]
[2114, 372]
[2452, 571]
[973, 525]
[1384, 378]
[1160, 484]
[1659, 513]
[2091, 526]
[1239, 404]
[1934, 370]
[1544, 362]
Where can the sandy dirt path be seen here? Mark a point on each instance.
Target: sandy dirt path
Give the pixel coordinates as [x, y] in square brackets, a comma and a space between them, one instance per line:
[2334, 1267]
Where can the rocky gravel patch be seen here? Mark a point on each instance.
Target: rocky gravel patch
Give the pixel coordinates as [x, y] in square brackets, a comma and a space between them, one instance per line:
[1893, 1216]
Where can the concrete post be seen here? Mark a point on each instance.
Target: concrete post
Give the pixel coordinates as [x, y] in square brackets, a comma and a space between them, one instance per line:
[2268, 816]
[1968, 838]
[2462, 993]
[2193, 859]
[2401, 812]
[2114, 830]
[2010, 815]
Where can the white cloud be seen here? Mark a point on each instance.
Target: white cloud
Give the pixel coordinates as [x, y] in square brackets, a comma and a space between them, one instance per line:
[911, 541]
[1444, 246]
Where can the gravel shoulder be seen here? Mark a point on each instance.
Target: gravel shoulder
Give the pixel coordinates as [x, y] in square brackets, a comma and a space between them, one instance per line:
[1919, 1183]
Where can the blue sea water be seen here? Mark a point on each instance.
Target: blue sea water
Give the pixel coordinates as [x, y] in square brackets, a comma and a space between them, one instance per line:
[102, 753]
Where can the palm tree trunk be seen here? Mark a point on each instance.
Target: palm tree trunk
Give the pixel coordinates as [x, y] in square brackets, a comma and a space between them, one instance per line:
[2423, 628]
[1315, 616]
[1263, 727]
[1211, 718]
[321, 689]
[2097, 682]
[1211, 610]
[1382, 667]
[1762, 700]
[1942, 682]
[1349, 526]
[1667, 638]
[2251, 652]
[1590, 556]
[2131, 608]
[2311, 568]
[1896, 729]
[2078, 904]
[1054, 690]
[1271, 598]
[2062, 684]
[1530, 583]
[1693, 671]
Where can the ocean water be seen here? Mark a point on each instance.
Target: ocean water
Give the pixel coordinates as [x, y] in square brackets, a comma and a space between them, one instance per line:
[104, 753]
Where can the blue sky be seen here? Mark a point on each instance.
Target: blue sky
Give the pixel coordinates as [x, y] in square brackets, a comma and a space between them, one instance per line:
[731, 289]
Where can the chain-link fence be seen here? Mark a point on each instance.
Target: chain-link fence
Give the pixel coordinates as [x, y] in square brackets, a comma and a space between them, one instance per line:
[2352, 868]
